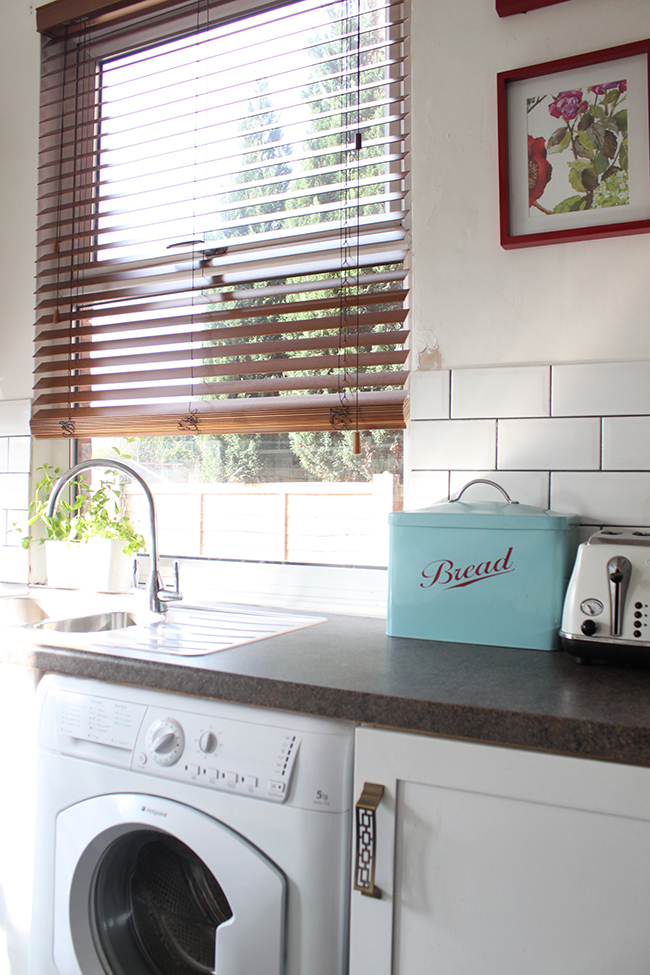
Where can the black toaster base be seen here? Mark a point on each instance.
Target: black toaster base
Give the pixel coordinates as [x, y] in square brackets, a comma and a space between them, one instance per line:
[619, 654]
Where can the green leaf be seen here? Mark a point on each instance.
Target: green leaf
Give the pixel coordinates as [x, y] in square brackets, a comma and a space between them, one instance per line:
[621, 120]
[561, 146]
[571, 203]
[586, 142]
[558, 136]
[586, 122]
[575, 178]
[601, 163]
[623, 156]
[611, 96]
[598, 111]
[589, 179]
[610, 144]
[597, 134]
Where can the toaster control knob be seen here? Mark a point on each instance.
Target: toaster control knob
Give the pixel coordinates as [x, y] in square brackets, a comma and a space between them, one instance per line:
[589, 627]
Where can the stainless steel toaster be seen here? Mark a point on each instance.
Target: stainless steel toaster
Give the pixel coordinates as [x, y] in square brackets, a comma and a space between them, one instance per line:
[605, 613]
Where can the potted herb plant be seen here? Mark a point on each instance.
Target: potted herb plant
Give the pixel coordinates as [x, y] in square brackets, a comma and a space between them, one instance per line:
[88, 540]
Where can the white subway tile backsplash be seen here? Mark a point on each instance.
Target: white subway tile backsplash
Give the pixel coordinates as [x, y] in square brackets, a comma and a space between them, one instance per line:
[591, 456]
[18, 461]
[527, 487]
[518, 391]
[14, 490]
[626, 443]
[424, 488]
[600, 389]
[452, 444]
[603, 497]
[429, 395]
[549, 444]
[14, 418]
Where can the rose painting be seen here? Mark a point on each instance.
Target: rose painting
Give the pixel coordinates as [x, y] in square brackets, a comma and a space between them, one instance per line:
[578, 149]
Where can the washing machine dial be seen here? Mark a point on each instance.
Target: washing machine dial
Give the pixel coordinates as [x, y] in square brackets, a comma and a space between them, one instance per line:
[208, 742]
[165, 741]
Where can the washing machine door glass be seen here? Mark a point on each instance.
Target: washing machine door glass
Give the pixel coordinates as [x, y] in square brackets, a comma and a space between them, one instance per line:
[148, 886]
[156, 907]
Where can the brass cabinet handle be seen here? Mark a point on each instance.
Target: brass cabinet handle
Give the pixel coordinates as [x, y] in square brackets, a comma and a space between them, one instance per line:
[364, 867]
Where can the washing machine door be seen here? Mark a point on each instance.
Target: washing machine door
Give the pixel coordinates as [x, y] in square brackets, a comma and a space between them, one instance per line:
[148, 886]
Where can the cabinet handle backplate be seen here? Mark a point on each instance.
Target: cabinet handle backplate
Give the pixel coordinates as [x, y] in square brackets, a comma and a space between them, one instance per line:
[364, 867]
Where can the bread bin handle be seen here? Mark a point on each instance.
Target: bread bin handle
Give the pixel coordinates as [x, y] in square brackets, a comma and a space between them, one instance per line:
[482, 480]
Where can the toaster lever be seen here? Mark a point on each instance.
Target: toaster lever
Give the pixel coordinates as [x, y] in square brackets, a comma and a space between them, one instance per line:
[619, 570]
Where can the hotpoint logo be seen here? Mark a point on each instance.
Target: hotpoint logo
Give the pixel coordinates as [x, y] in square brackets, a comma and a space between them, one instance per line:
[154, 812]
[444, 573]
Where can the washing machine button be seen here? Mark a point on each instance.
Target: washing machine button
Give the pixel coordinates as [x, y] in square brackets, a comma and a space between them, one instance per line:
[250, 781]
[232, 778]
[194, 769]
[276, 788]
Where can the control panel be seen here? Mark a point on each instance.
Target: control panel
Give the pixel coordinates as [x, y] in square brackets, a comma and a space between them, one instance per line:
[216, 752]
[212, 751]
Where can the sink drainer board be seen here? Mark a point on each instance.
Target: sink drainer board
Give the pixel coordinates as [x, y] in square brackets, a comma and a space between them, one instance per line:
[193, 632]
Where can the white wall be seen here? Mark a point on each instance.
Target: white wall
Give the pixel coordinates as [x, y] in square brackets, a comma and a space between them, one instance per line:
[561, 414]
[19, 85]
[474, 303]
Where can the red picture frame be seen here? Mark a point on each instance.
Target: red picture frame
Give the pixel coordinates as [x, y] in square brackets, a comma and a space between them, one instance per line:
[507, 7]
[525, 157]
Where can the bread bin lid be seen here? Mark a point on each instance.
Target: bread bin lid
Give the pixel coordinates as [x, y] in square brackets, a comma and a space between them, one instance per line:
[484, 515]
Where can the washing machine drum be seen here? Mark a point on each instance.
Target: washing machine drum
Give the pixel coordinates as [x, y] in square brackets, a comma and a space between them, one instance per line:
[146, 886]
[155, 906]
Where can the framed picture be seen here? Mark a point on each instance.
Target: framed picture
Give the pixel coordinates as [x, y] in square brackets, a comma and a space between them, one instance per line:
[507, 7]
[574, 148]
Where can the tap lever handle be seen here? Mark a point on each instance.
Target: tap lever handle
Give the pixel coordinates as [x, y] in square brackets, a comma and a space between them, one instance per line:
[171, 595]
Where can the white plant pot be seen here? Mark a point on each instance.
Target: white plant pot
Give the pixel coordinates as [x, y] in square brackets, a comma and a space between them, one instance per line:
[98, 565]
[64, 564]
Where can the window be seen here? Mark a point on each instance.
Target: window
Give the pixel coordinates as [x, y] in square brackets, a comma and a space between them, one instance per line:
[222, 229]
[222, 261]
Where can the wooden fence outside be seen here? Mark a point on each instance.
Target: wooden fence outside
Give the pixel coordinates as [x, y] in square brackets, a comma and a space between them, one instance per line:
[325, 523]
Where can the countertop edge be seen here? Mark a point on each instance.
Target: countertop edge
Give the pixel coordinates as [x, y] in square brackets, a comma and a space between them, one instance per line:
[575, 737]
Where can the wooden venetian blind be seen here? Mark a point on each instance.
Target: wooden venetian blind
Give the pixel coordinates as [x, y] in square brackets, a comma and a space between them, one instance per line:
[222, 207]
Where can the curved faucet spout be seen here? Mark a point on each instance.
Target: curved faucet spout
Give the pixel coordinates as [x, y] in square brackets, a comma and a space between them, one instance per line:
[154, 581]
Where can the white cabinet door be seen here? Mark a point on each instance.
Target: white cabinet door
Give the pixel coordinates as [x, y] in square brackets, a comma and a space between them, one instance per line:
[496, 861]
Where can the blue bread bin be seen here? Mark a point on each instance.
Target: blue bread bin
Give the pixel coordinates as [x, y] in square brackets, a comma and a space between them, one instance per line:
[489, 572]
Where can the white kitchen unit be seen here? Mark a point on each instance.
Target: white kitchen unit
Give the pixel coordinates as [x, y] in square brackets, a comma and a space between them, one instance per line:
[497, 861]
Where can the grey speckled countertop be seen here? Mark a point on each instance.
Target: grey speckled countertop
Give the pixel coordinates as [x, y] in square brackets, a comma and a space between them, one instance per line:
[348, 668]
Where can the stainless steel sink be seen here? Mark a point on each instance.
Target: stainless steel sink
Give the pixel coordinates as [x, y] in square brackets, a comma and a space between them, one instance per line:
[20, 610]
[184, 630]
[96, 623]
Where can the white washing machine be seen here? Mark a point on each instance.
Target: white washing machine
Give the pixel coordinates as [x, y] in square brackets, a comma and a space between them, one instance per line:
[178, 836]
